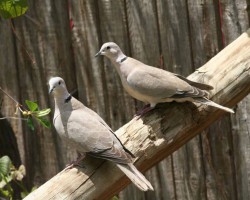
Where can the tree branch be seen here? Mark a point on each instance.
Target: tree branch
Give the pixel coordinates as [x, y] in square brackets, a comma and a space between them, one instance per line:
[160, 132]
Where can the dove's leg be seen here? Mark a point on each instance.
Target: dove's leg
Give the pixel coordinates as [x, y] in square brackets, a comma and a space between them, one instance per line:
[144, 110]
[76, 162]
[139, 112]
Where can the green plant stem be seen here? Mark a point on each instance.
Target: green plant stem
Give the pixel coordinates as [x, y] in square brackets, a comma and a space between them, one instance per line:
[20, 184]
[18, 104]
[1, 118]
[8, 186]
[10, 97]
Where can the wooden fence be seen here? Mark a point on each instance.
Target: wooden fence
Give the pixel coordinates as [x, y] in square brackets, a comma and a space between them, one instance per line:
[60, 38]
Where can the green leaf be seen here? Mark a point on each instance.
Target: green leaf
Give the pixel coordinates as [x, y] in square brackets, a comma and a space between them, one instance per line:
[31, 105]
[5, 181]
[12, 8]
[42, 113]
[26, 193]
[5, 193]
[23, 195]
[30, 123]
[114, 198]
[33, 188]
[5, 164]
[44, 122]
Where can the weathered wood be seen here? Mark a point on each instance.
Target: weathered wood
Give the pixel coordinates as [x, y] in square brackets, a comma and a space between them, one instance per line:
[111, 31]
[204, 181]
[241, 148]
[174, 36]
[161, 131]
[137, 13]
[177, 24]
[216, 179]
[8, 69]
[86, 42]
[234, 21]
[47, 39]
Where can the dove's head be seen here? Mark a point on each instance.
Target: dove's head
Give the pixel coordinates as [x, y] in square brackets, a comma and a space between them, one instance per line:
[111, 50]
[57, 86]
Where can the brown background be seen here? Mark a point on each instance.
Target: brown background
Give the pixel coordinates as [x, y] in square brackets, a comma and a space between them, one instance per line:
[177, 35]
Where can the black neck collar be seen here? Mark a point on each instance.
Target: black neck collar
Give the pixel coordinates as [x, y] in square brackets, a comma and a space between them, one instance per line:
[68, 99]
[123, 59]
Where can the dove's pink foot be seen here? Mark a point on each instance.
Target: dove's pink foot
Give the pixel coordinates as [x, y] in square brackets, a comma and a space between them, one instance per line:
[76, 162]
[143, 111]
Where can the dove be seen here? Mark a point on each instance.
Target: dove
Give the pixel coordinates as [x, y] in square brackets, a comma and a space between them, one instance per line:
[84, 130]
[152, 85]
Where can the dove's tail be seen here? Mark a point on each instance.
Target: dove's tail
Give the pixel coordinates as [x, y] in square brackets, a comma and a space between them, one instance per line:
[211, 103]
[135, 176]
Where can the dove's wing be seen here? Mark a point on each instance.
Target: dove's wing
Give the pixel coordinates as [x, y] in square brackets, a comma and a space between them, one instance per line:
[160, 84]
[89, 133]
[201, 86]
[114, 136]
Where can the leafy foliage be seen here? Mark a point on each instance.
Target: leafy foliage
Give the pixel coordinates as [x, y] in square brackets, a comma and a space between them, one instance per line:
[5, 176]
[5, 163]
[33, 111]
[9, 173]
[13, 8]
[37, 114]
[31, 105]
[30, 123]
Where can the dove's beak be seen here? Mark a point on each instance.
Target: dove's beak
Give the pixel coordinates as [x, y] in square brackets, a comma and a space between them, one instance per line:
[51, 90]
[99, 53]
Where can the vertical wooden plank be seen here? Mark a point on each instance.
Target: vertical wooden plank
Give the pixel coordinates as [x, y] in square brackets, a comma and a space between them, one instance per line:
[174, 36]
[86, 43]
[99, 85]
[218, 161]
[204, 41]
[144, 42]
[143, 31]
[230, 24]
[241, 148]
[162, 179]
[235, 21]
[203, 31]
[46, 37]
[98, 81]
[188, 174]
[113, 27]
[9, 81]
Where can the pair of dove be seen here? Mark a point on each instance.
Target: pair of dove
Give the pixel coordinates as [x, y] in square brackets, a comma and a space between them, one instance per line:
[86, 131]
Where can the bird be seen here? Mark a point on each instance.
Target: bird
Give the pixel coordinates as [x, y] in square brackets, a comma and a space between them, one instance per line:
[84, 130]
[153, 85]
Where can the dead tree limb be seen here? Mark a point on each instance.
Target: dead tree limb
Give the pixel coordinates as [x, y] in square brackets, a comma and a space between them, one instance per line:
[160, 132]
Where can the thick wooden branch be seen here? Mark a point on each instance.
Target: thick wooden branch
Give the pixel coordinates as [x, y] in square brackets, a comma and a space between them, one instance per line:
[160, 132]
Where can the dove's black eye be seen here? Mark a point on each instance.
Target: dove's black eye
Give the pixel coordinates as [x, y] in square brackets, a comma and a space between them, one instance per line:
[108, 47]
[59, 83]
